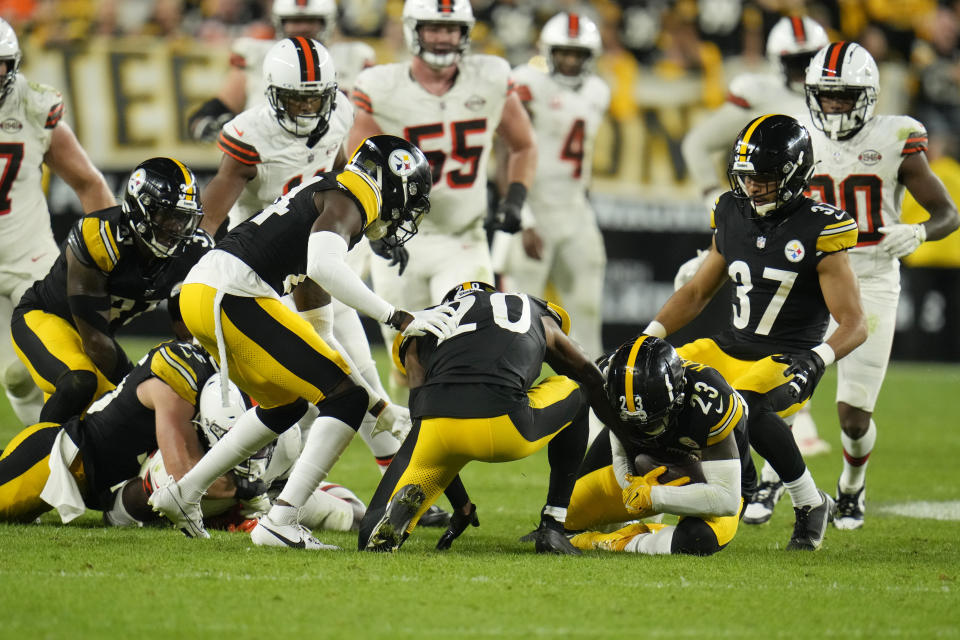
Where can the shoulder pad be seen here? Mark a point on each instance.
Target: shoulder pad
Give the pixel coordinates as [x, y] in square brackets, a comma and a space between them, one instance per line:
[839, 230]
[491, 69]
[913, 134]
[399, 352]
[559, 314]
[364, 190]
[93, 241]
[44, 104]
[232, 142]
[183, 366]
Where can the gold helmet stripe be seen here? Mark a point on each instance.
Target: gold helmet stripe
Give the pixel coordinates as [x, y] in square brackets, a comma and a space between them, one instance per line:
[190, 191]
[628, 377]
[745, 142]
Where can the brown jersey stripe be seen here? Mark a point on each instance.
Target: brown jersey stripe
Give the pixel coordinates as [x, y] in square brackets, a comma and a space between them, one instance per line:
[237, 150]
[54, 115]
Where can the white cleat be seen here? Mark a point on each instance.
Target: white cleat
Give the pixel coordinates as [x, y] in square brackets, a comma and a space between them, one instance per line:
[185, 516]
[850, 508]
[268, 533]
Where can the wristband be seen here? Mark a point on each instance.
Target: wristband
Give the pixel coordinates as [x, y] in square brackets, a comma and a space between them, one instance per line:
[826, 353]
[516, 194]
[656, 330]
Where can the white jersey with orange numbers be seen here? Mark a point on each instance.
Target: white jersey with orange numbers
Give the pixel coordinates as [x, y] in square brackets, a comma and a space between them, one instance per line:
[28, 116]
[349, 58]
[282, 159]
[454, 130]
[860, 175]
[565, 121]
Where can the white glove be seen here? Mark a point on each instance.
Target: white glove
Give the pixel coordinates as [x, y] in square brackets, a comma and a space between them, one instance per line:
[901, 240]
[687, 270]
[441, 321]
[394, 419]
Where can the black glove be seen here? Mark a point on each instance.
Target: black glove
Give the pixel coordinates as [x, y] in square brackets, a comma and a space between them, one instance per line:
[248, 489]
[458, 524]
[396, 255]
[806, 369]
[205, 123]
[507, 215]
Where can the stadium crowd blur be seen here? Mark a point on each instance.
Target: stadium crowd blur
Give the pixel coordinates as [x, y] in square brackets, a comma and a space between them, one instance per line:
[667, 63]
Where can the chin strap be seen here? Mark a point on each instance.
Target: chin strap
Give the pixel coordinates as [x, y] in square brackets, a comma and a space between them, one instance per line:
[317, 133]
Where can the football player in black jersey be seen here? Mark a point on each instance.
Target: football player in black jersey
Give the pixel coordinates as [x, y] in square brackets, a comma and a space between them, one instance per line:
[117, 263]
[231, 304]
[472, 397]
[786, 256]
[76, 464]
[676, 412]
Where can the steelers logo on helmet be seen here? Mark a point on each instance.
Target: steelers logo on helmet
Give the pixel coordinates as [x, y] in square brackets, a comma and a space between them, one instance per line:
[401, 163]
[135, 183]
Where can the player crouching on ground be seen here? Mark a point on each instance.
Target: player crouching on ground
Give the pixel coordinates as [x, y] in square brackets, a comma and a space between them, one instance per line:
[676, 449]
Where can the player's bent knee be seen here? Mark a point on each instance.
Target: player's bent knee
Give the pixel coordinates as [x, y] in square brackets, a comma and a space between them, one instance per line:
[347, 406]
[279, 419]
[694, 537]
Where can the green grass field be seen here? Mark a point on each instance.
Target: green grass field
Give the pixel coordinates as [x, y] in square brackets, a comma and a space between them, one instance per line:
[897, 577]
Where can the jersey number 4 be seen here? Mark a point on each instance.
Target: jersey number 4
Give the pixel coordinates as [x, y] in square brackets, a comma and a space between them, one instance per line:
[466, 154]
[11, 157]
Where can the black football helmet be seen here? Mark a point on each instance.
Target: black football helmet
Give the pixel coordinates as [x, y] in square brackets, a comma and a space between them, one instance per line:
[646, 385]
[466, 287]
[162, 204]
[772, 149]
[402, 173]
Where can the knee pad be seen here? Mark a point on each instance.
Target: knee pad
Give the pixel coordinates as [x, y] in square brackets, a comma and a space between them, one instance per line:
[279, 419]
[17, 380]
[348, 406]
[694, 537]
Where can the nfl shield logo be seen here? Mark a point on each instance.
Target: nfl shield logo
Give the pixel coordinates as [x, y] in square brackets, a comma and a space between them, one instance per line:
[761, 242]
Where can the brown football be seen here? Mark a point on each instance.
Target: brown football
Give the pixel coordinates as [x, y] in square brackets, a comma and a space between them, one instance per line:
[644, 463]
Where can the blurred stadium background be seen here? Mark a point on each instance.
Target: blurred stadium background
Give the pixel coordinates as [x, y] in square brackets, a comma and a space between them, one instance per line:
[131, 70]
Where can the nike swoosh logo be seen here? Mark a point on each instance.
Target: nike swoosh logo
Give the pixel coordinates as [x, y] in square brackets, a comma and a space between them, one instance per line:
[239, 133]
[290, 543]
[35, 259]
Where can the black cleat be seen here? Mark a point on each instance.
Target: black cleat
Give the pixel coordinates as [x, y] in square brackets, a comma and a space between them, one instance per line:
[850, 508]
[434, 517]
[549, 540]
[391, 531]
[811, 525]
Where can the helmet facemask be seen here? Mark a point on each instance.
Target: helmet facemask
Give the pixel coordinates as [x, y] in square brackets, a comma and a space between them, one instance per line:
[841, 125]
[772, 198]
[569, 65]
[302, 112]
[441, 55]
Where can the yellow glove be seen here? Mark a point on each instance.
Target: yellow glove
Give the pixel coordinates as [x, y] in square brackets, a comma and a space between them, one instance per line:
[636, 497]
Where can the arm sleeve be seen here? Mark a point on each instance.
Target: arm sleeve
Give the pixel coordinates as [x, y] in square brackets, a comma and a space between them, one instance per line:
[718, 496]
[326, 253]
[621, 464]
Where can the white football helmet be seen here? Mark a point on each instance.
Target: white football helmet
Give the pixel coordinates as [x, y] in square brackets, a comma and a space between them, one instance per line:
[214, 419]
[10, 54]
[843, 70]
[791, 44]
[301, 85]
[570, 31]
[325, 10]
[418, 12]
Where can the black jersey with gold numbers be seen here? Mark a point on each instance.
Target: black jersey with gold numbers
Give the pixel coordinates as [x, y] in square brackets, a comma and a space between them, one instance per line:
[777, 304]
[274, 242]
[117, 430]
[490, 363]
[136, 282]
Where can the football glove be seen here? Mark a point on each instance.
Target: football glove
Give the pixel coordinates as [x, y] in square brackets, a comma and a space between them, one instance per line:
[441, 321]
[247, 488]
[901, 240]
[689, 268]
[506, 217]
[396, 255]
[393, 419]
[636, 497]
[806, 369]
[458, 524]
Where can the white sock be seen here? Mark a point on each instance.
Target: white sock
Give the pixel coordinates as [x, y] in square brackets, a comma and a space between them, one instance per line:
[855, 457]
[656, 543]
[117, 515]
[767, 474]
[557, 513]
[27, 408]
[328, 439]
[803, 491]
[383, 444]
[247, 436]
[283, 514]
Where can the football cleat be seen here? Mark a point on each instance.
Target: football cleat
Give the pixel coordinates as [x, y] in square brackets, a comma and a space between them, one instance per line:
[434, 517]
[268, 533]
[760, 508]
[614, 541]
[391, 531]
[850, 508]
[550, 539]
[185, 516]
[811, 525]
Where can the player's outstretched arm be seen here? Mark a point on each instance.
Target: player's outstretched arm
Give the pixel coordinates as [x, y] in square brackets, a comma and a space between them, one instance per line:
[67, 159]
[688, 301]
[223, 191]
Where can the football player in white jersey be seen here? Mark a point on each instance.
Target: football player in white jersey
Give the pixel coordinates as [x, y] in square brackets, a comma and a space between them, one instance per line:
[865, 163]
[449, 104]
[566, 102]
[272, 148]
[244, 87]
[32, 133]
[791, 44]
